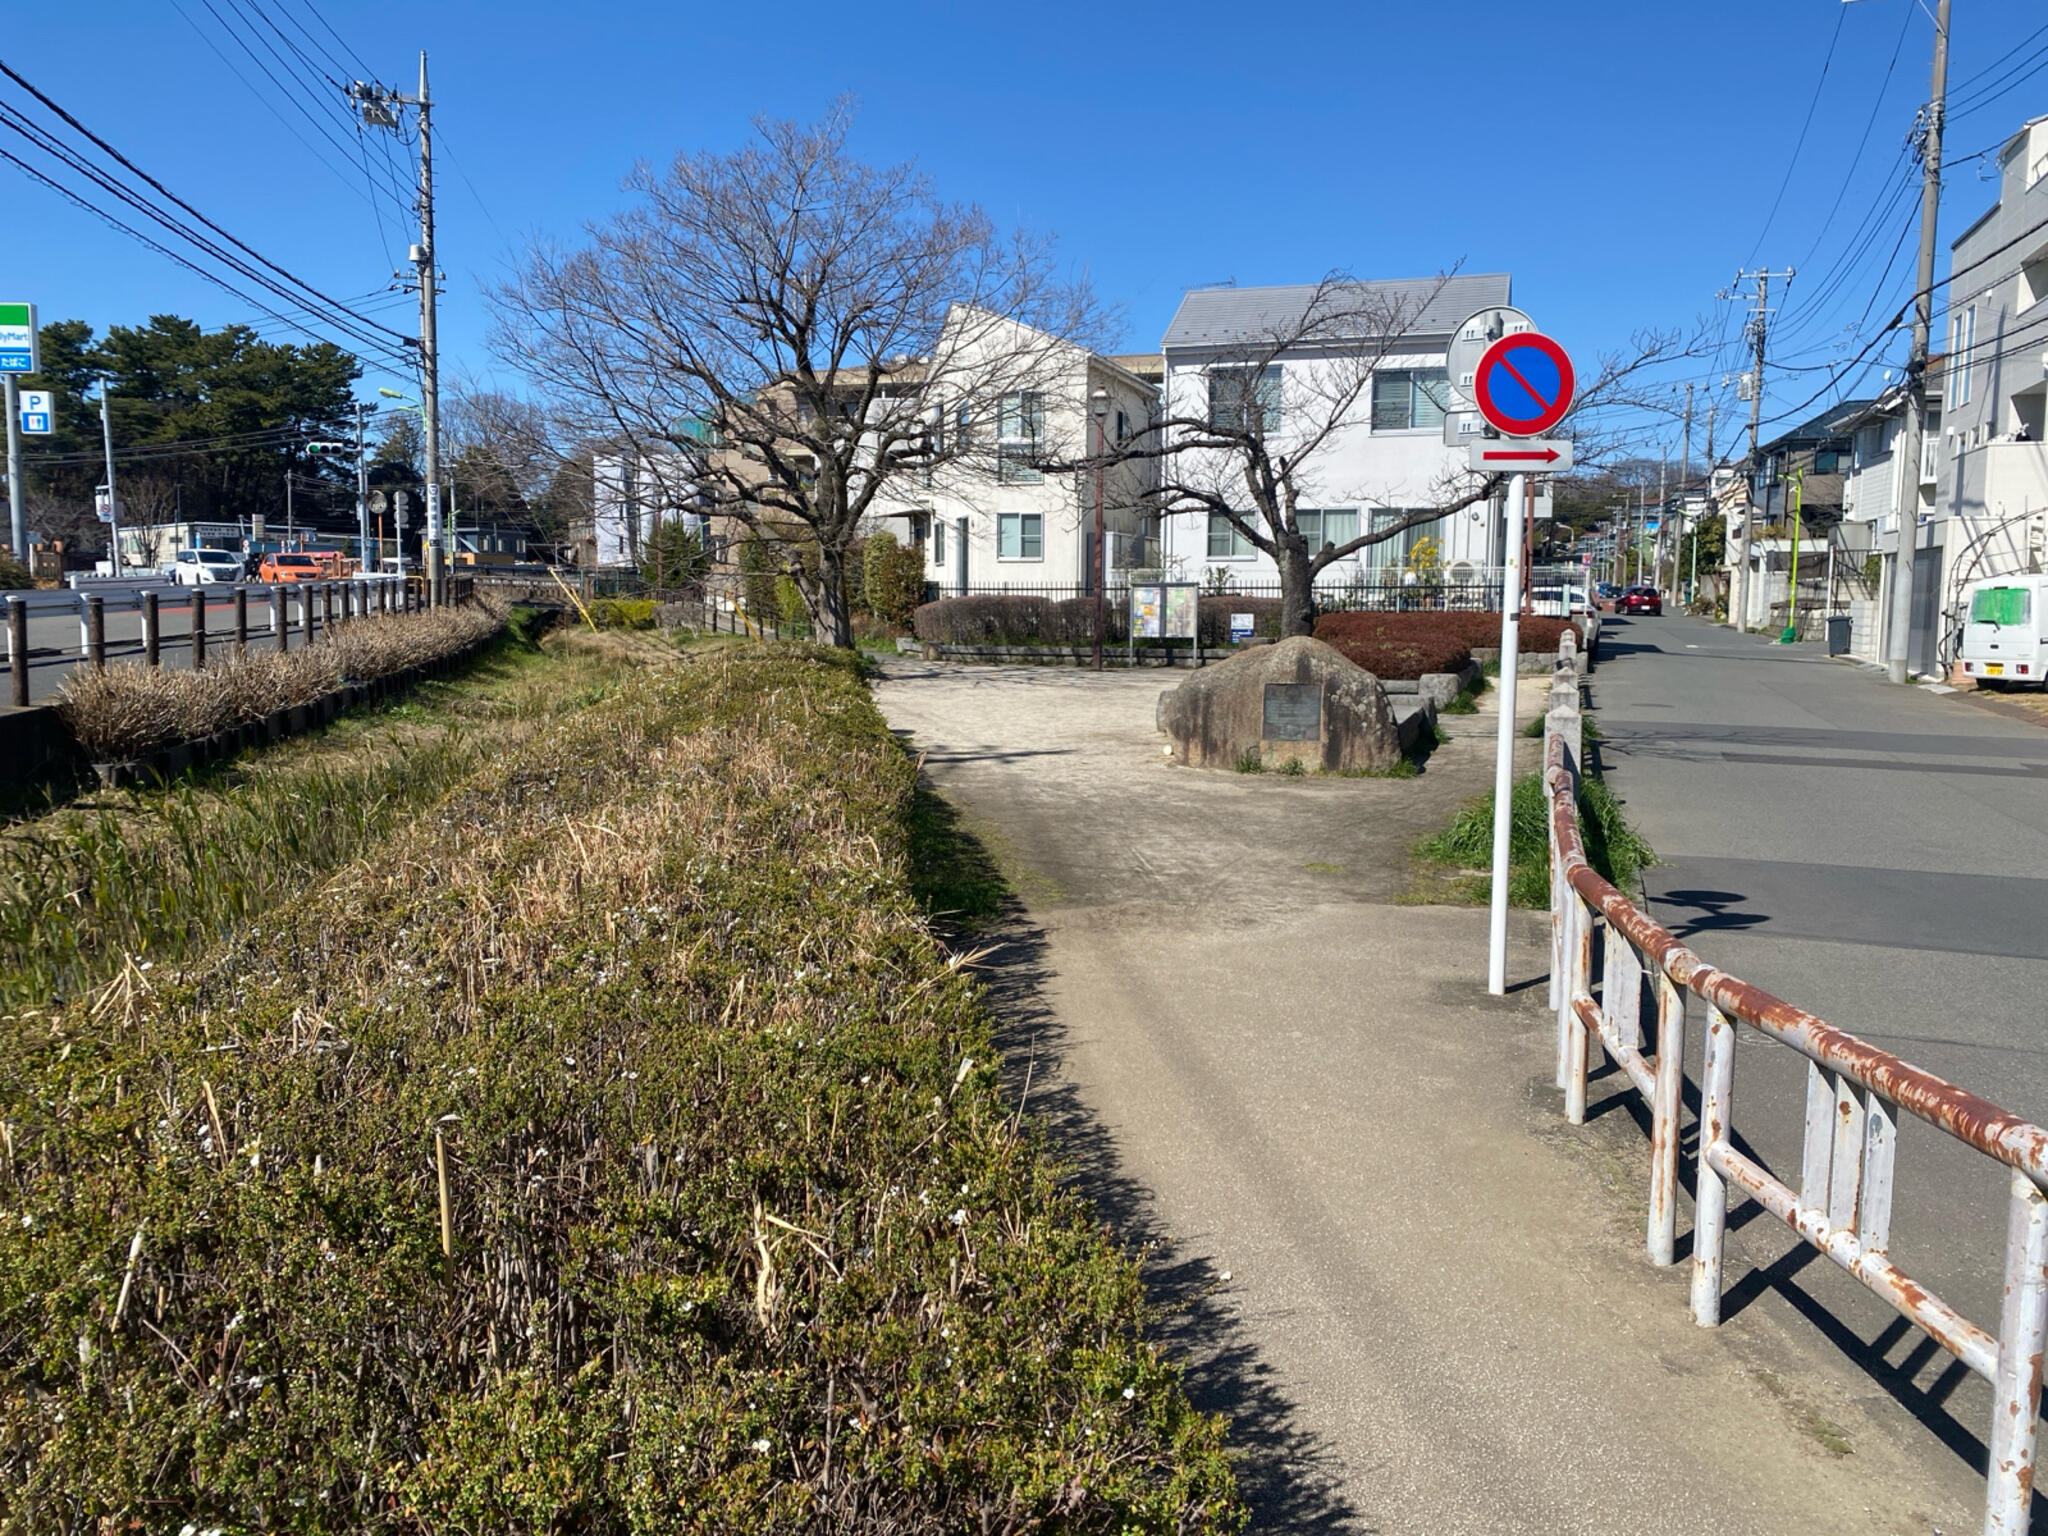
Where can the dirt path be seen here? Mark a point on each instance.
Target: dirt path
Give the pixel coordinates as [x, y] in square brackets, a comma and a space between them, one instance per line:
[1422, 1297]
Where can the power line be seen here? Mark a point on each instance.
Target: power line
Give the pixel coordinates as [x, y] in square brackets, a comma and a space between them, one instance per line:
[1876, 106]
[1841, 13]
[341, 314]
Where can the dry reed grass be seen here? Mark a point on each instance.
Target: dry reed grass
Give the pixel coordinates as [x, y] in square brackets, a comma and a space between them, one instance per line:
[121, 712]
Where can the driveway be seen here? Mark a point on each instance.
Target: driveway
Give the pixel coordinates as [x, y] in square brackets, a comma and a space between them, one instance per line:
[1422, 1298]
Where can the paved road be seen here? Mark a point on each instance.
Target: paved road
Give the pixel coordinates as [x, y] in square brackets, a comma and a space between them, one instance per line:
[1879, 856]
[1421, 1297]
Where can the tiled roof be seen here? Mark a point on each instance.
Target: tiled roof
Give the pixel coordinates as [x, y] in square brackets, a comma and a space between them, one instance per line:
[1221, 317]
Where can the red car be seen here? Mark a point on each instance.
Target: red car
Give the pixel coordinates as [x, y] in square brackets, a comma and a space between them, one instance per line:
[1642, 600]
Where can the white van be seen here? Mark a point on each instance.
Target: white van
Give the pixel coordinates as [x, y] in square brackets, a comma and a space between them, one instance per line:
[2005, 630]
[200, 567]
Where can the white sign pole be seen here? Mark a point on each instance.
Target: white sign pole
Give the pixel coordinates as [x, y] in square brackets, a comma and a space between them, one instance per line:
[17, 521]
[1504, 751]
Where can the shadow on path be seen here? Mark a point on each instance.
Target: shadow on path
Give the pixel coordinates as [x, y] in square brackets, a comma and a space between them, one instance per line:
[1288, 1477]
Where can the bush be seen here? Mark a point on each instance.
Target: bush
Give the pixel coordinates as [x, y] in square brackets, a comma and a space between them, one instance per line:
[14, 576]
[622, 612]
[121, 712]
[892, 578]
[1213, 617]
[1016, 619]
[674, 557]
[1396, 645]
[642, 1024]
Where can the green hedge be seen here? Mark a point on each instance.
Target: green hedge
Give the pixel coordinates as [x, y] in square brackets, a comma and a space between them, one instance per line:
[743, 1237]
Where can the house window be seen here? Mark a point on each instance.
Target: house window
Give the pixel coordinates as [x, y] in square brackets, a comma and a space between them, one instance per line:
[1020, 536]
[1020, 423]
[938, 542]
[1385, 555]
[1123, 428]
[1827, 461]
[1405, 398]
[1228, 389]
[1227, 541]
[1962, 338]
[1333, 525]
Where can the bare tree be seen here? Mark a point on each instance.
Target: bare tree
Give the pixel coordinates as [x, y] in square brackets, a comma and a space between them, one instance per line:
[786, 333]
[1280, 395]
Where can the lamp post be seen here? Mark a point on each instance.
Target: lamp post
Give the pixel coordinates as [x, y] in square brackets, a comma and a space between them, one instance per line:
[1098, 409]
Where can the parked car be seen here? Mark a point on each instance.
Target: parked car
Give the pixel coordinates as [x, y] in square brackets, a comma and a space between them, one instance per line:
[202, 567]
[290, 568]
[2005, 632]
[1642, 600]
[1551, 600]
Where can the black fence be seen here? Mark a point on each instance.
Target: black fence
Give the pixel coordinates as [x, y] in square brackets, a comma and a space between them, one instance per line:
[1395, 594]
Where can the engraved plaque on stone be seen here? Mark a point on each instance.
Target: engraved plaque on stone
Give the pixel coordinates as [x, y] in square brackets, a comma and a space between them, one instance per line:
[1294, 712]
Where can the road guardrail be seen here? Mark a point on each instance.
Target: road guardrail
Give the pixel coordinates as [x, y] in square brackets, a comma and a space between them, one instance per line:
[1842, 1205]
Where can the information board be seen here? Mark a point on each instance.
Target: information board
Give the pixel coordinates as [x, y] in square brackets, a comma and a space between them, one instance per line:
[1165, 610]
[1294, 712]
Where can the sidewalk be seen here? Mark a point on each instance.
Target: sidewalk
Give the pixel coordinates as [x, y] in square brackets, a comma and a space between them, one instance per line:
[1422, 1297]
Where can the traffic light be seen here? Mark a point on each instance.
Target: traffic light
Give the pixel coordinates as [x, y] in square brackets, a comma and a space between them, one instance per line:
[322, 447]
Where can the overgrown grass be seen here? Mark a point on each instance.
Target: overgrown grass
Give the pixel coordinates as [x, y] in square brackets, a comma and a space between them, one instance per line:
[1613, 847]
[614, 1151]
[155, 875]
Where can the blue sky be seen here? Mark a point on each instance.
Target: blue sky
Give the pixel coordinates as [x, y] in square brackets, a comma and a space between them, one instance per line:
[1619, 159]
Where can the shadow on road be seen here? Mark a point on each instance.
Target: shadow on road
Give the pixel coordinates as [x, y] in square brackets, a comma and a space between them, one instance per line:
[1289, 1479]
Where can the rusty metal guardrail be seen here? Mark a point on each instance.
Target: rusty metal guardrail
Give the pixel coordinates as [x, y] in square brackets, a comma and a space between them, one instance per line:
[1842, 1205]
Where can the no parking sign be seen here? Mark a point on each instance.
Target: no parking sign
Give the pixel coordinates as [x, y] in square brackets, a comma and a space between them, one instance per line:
[1524, 384]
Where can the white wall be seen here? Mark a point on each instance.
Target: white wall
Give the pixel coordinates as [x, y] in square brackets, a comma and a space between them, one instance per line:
[970, 492]
[1359, 467]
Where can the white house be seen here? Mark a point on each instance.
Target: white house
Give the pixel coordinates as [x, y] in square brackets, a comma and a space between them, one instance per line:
[1006, 510]
[1389, 455]
[631, 494]
[1990, 503]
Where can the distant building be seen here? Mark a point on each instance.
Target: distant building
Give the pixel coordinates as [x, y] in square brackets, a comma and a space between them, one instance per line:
[632, 492]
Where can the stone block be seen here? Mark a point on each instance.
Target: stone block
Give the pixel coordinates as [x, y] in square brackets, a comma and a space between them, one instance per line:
[1297, 699]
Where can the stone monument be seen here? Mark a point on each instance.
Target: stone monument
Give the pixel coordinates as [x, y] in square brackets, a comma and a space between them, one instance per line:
[1296, 700]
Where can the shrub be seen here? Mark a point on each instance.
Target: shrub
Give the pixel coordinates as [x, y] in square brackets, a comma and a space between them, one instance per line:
[120, 712]
[643, 1026]
[1396, 645]
[892, 578]
[1213, 617]
[622, 612]
[1017, 619]
[14, 576]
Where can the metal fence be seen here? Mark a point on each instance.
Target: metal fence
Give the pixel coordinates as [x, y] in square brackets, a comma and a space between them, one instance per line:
[1390, 595]
[1842, 1205]
[116, 623]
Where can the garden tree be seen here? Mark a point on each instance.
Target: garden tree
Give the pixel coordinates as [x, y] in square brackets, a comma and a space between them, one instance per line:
[1257, 445]
[674, 556]
[785, 333]
[501, 448]
[892, 578]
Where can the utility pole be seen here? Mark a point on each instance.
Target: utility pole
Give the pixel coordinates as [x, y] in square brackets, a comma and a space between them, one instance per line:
[1906, 481]
[1759, 327]
[113, 501]
[378, 108]
[1684, 475]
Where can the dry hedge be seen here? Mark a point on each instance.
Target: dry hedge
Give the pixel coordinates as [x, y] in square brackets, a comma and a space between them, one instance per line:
[1407, 645]
[121, 712]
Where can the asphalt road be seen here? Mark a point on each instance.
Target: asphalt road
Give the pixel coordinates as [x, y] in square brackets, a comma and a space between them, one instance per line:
[1878, 856]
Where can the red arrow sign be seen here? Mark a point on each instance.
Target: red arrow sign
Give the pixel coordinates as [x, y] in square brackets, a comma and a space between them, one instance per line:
[1547, 456]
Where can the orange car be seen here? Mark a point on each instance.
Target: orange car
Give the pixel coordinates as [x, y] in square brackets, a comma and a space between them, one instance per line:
[291, 568]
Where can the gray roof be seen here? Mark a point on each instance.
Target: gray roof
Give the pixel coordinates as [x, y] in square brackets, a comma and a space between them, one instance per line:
[1221, 317]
